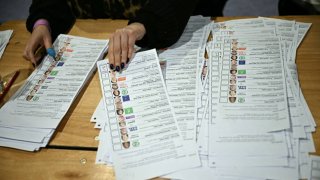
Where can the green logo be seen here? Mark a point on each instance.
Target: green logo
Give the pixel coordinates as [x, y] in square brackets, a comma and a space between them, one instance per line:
[124, 91]
[35, 98]
[242, 72]
[128, 110]
[242, 57]
[241, 100]
[54, 73]
[135, 143]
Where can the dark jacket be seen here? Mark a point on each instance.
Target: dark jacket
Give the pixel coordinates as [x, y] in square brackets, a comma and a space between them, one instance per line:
[164, 20]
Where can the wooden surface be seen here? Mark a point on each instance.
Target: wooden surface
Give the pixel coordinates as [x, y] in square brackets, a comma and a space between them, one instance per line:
[51, 164]
[75, 136]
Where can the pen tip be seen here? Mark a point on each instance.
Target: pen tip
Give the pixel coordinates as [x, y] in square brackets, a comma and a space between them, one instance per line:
[51, 52]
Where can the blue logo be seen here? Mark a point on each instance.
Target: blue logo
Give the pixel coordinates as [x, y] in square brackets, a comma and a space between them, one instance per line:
[125, 98]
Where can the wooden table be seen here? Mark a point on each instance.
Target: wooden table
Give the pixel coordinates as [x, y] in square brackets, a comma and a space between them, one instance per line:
[72, 150]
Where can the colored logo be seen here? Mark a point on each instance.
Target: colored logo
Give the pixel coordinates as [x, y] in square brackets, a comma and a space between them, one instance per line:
[242, 57]
[135, 128]
[241, 77]
[54, 73]
[121, 78]
[124, 91]
[242, 62]
[60, 63]
[125, 98]
[241, 71]
[35, 98]
[242, 87]
[128, 110]
[241, 100]
[130, 117]
[135, 143]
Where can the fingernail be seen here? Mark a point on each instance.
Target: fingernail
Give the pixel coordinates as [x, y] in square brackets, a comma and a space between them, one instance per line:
[117, 68]
[122, 65]
[111, 66]
[128, 60]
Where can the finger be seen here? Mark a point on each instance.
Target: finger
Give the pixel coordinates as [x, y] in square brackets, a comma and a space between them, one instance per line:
[47, 42]
[28, 53]
[111, 53]
[25, 55]
[31, 54]
[131, 42]
[37, 58]
[48, 46]
[31, 57]
[117, 49]
[34, 47]
[124, 48]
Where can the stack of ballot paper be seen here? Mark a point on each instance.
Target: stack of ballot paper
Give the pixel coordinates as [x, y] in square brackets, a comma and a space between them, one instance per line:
[227, 106]
[4, 40]
[30, 117]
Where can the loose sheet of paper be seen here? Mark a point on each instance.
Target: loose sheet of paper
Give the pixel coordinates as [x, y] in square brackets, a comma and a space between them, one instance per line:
[145, 137]
[4, 40]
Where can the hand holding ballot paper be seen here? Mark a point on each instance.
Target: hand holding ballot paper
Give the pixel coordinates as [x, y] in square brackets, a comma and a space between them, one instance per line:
[36, 109]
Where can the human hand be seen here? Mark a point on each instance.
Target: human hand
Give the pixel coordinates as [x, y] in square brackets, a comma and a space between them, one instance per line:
[121, 45]
[40, 37]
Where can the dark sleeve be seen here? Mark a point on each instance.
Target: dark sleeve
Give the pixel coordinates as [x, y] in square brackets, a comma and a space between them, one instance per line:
[164, 21]
[56, 12]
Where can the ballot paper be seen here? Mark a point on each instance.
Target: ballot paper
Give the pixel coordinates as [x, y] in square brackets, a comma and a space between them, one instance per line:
[252, 90]
[4, 40]
[33, 113]
[181, 73]
[141, 124]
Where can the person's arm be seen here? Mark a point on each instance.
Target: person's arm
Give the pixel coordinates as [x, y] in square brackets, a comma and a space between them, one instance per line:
[164, 21]
[47, 19]
[56, 12]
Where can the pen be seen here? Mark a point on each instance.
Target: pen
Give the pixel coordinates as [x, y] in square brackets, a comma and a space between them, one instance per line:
[8, 85]
[51, 52]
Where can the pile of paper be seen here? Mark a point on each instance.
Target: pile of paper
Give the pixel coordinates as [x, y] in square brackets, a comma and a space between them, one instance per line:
[235, 97]
[4, 40]
[30, 117]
